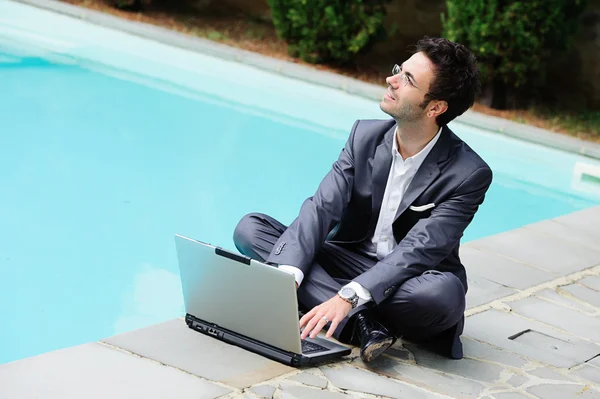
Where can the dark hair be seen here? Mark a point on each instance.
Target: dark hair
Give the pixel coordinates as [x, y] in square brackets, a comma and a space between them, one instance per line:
[456, 76]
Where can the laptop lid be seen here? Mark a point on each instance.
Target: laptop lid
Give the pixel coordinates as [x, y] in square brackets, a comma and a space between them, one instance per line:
[239, 294]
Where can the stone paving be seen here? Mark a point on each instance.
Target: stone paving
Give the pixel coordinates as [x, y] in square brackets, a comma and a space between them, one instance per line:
[532, 331]
[532, 327]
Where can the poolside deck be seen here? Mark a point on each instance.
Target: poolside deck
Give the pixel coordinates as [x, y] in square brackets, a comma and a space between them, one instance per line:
[539, 284]
[542, 280]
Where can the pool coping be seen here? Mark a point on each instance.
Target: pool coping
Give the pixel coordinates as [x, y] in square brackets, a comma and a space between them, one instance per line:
[543, 278]
[309, 74]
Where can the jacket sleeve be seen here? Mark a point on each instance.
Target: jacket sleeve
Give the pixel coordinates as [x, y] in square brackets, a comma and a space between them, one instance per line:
[430, 240]
[300, 242]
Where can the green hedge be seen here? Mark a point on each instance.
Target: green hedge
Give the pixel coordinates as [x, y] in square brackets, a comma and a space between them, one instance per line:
[328, 30]
[130, 5]
[513, 40]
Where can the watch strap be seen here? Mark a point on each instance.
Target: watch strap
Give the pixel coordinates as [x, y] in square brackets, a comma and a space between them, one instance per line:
[352, 300]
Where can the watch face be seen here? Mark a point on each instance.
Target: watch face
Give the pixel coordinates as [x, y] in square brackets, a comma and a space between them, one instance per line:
[347, 293]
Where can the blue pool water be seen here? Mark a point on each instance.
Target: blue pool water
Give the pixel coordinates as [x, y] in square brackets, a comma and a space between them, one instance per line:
[111, 144]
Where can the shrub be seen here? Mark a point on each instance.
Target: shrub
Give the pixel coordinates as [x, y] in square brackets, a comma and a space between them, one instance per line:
[328, 30]
[130, 5]
[513, 39]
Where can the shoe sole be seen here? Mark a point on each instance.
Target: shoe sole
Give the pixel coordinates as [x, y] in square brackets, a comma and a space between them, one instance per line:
[375, 350]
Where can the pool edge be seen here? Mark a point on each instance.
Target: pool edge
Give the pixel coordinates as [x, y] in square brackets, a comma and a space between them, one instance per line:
[309, 74]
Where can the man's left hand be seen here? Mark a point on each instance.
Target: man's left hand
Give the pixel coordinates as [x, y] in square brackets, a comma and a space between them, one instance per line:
[334, 311]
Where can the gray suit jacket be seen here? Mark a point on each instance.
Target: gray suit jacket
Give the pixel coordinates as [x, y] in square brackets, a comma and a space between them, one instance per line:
[346, 206]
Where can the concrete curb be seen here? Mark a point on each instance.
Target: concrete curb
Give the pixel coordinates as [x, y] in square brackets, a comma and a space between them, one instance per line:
[309, 74]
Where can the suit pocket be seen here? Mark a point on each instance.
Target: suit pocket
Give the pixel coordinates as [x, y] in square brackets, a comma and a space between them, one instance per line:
[422, 208]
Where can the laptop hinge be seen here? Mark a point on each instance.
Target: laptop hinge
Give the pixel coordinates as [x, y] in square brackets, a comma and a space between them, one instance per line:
[231, 255]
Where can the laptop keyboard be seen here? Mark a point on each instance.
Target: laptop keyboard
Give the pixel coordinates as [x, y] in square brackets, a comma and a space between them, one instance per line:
[311, 347]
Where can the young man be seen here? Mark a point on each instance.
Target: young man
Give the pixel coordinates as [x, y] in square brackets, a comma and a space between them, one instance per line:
[375, 250]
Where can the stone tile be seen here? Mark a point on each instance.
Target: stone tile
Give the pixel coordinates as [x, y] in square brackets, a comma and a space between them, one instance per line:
[543, 251]
[453, 386]
[564, 300]
[595, 361]
[481, 351]
[175, 344]
[292, 391]
[398, 353]
[501, 270]
[510, 395]
[264, 391]
[586, 221]
[558, 316]
[358, 380]
[310, 379]
[540, 342]
[96, 371]
[555, 391]
[592, 282]
[583, 293]
[589, 373]
[517, 380]
[467, 368]
[566, 232]
[547, 374]
[482, 290]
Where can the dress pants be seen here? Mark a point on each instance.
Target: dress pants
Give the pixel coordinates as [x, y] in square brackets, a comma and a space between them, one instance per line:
[421, 309]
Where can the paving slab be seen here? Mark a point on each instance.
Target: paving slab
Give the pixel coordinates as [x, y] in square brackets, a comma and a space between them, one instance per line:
[510, 395]
[547, 374]
[175, 344]
[540, 250]
[398, 353]
[354, 379]
[558, 316]
[484, 351]
[517, 380]
[502, 270]
[465, 367]
[531, 339]
[96, 371]
[589, 373]
[565, 300]
[264, 391]
[482, 290]
[592, 282]
[450, 385]
[586, 220]
[292, 391]
[507, 395]
[307, 378]
[567, 232]
[558, 391]
[583, 293]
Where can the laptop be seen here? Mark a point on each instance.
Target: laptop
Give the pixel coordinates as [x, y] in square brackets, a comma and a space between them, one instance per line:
[246, 303]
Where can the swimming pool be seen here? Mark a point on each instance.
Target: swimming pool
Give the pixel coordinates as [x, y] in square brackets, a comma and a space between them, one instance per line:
[111, 144]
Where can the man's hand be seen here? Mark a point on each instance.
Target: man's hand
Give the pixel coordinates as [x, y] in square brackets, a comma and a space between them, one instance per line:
[334, 310]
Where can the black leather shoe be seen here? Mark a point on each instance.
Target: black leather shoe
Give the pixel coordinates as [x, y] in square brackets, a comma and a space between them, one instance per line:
[373, 337]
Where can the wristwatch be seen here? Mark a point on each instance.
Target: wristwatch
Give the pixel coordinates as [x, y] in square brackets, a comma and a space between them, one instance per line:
[349, 295]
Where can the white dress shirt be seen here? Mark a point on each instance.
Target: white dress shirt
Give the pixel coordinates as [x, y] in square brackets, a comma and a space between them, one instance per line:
[382, 243]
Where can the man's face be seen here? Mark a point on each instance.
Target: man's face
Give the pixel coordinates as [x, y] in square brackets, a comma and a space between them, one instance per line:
[406, 90]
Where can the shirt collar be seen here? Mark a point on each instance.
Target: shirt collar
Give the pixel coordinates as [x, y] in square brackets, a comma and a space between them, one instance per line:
[419, 157]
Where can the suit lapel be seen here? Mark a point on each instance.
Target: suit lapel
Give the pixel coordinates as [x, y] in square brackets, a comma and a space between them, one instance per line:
[428, 171]
[380, 165]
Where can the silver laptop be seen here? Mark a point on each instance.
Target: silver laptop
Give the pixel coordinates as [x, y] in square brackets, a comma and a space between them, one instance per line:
[246, 303]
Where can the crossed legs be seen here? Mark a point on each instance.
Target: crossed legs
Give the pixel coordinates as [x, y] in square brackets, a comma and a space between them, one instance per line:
[421, 308]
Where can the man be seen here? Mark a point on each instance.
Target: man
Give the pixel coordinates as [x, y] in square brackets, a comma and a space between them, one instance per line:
[375, 250]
